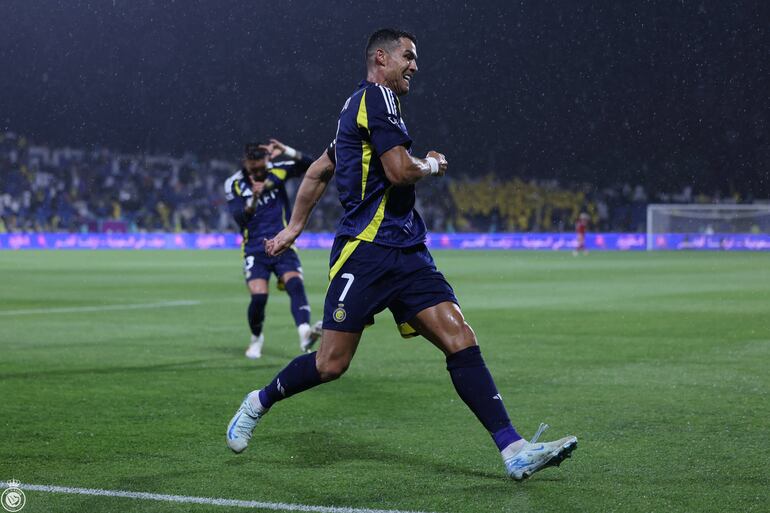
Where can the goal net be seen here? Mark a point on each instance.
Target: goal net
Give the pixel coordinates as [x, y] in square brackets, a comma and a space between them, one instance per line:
[693, 221]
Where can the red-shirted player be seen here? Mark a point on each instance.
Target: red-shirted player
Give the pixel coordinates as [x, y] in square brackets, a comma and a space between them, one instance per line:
[580, 227]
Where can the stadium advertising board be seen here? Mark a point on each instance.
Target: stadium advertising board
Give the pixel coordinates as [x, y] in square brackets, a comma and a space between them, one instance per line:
[469, 241]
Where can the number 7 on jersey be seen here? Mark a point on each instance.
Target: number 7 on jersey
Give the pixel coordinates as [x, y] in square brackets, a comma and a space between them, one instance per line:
[350, 279]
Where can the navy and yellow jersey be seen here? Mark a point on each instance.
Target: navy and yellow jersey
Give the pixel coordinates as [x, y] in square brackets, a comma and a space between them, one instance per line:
[375, 211]
[273, 207]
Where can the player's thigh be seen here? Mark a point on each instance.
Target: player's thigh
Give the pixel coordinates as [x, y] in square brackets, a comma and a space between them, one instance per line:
[358, 289]
[258, 286]
[335, 352]
[445, 327]
[287, 266]
[256, 266]
[427, 299]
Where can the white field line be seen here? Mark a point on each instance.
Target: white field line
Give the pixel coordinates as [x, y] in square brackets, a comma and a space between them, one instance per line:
[102, 308]
[275, 506]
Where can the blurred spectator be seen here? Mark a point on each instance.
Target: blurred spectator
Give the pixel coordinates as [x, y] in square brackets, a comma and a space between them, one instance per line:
[75, 190]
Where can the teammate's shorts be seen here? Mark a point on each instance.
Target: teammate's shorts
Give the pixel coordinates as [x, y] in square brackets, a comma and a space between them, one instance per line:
[258, 264]
[366, 278]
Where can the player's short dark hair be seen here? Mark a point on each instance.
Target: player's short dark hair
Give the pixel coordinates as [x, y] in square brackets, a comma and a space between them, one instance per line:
[386, 38]
[252, 151]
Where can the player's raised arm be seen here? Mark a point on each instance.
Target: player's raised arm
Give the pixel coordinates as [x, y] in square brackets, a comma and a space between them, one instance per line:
[310, 191]
[301, 160]
[277, 148]
[403, 169]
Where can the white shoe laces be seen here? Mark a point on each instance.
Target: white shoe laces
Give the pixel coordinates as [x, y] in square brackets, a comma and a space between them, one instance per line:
[540, 431]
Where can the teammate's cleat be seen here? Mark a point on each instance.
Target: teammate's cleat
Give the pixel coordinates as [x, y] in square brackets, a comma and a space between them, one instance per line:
[309, 336]
[534, 456]
[254, 350]
[243, 422]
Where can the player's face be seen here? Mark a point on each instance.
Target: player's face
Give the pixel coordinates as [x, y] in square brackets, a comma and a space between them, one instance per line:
[401, 66]
[256, 168]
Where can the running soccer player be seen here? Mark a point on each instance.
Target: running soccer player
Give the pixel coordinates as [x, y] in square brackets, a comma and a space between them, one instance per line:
[379, 260]
[258, 202]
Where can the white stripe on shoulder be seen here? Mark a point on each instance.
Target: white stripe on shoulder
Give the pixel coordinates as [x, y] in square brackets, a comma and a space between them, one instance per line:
[229, 182]
[388, 105]
[283, 163]
[392, 97]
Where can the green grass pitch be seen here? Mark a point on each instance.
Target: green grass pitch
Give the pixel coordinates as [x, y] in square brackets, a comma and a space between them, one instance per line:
[659, 363]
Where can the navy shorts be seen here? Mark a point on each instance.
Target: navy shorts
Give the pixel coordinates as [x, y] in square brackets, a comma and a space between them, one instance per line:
[366, 278]
[257, 264]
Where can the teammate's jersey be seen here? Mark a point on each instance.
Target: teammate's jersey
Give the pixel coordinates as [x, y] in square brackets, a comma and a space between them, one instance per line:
[375, 211]
[581, 226]
[273, 208]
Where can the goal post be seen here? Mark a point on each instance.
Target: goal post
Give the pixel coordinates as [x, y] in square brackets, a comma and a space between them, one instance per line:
[705, 219]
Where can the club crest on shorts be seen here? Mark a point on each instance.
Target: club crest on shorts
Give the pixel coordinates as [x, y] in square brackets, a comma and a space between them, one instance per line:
[339, 314]
[13, 498]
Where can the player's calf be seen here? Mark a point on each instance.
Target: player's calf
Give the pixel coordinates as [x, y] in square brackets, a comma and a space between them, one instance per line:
[256, 317]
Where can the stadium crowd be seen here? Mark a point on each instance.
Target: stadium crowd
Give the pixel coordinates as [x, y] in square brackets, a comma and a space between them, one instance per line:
[76, 190]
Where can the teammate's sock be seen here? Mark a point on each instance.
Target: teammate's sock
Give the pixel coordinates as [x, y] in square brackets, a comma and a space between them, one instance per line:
[476, 388]
[256, 313]
[300, 308]
[301, 374]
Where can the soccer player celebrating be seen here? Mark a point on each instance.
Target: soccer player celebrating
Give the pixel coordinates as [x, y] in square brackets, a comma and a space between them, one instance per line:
[257, 199]
[379, 260]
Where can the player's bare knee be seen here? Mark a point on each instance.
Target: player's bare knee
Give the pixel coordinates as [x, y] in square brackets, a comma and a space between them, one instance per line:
[257, 287]
[460, 339]
[291, 275]
[470, 336]
[329, 370]
[331, 367]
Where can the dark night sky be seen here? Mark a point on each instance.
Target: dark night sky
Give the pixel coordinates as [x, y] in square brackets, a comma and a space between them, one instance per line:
[661, 93]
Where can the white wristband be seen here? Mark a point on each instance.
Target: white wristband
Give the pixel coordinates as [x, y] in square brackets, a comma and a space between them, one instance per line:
[433, 163]
[289, 152]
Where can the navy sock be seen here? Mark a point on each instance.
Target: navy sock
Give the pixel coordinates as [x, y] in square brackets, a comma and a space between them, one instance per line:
[256, 313]
[301, 374]
[476, 388]
[300, 308]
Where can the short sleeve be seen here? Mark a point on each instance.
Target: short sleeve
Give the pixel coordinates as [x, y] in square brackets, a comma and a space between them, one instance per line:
[382, 118]
[229, 186]
[235, 202]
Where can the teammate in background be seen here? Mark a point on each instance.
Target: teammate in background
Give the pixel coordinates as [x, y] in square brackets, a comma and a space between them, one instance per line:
[257, 199]
[580, 229]
[379, 260]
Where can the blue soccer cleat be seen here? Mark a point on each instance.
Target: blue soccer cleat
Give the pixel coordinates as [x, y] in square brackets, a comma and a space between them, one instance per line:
[243, 423]
[535, 456]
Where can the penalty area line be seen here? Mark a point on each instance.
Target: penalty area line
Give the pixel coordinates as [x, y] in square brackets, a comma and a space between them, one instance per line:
[184, 499]
[100, 308]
